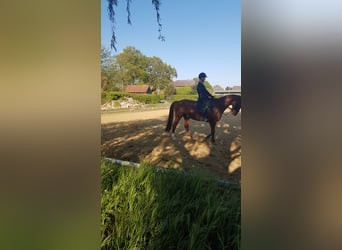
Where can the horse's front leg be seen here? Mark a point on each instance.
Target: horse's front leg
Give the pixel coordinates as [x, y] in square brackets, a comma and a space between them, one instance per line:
[212, 131]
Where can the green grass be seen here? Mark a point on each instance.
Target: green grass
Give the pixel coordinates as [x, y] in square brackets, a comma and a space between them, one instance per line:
[186, 90]
[143, 208]
[181, 97]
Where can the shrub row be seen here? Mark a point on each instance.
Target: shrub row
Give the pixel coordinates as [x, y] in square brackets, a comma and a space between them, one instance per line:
[144, 98]
[114, 95]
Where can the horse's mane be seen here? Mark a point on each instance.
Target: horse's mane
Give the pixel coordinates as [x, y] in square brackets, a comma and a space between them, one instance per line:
[224, 101]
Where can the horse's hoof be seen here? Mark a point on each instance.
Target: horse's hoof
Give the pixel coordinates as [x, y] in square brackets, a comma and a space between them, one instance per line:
[173, 137]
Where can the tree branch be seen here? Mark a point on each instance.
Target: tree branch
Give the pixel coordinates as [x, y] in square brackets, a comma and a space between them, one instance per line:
[111, 14]
[112, 4]
[157, 4]
[128, 8]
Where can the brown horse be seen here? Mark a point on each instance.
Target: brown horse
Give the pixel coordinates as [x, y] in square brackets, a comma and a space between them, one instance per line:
[187, 110]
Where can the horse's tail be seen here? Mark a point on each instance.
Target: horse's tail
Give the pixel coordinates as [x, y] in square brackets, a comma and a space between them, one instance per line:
[170, 119]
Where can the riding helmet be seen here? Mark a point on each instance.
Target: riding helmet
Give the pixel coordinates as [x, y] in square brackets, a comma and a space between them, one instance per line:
[202, 75]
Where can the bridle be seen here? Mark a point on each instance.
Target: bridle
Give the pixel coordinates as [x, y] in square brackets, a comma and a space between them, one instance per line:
[227, 113]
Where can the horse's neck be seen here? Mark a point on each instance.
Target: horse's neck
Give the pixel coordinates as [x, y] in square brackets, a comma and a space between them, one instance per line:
[224, 104]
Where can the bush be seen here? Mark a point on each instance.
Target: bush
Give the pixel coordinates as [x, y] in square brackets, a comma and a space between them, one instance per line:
[143, 208]
[162, 95]
[114, 95]
[147, 98]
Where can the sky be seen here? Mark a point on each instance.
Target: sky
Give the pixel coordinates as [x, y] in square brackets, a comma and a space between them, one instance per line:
[200, 36]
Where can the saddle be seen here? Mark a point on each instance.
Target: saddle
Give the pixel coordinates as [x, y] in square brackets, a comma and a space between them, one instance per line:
[204, 107]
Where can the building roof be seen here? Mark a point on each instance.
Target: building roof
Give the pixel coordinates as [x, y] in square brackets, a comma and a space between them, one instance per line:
[217, 88]
[231, 90]
[137, 89]
[236, 88]
[184, 83]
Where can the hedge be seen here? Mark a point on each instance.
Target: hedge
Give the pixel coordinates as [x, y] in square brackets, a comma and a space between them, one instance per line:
[114, 95]
[181, 97]
[145, 98]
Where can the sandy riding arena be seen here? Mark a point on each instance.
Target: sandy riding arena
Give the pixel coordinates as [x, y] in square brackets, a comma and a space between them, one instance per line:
[140, 136]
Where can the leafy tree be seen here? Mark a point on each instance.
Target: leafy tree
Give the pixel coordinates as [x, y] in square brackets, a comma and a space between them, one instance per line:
[106, 57]
[107, 73]
[112, 4]
[159, 74]
[169, 90]
[132, 65]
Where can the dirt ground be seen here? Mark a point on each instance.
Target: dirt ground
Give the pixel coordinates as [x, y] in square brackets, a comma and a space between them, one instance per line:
[140, 136]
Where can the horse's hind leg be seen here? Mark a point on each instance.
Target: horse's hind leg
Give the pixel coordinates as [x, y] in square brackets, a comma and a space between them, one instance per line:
[187, 126]
[174, 125]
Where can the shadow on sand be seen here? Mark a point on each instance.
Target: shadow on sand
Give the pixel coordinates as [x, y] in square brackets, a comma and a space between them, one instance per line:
[147, 141]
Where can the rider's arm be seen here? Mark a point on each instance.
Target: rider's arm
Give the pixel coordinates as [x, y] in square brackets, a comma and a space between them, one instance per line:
[208, 93]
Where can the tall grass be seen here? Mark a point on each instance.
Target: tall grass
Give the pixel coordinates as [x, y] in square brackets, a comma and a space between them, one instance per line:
[143, 208]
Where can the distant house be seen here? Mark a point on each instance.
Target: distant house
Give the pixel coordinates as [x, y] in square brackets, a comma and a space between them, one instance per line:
[184, 83]
[138, 89]
[217, 88]
[236, 89]
[229, 91]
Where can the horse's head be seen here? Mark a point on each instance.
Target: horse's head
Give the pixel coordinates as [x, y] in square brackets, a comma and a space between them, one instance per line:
[236, 104]
[235, 110]
[231, 101]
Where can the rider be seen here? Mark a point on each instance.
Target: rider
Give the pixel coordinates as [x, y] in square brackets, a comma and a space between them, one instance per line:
[204, 97]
